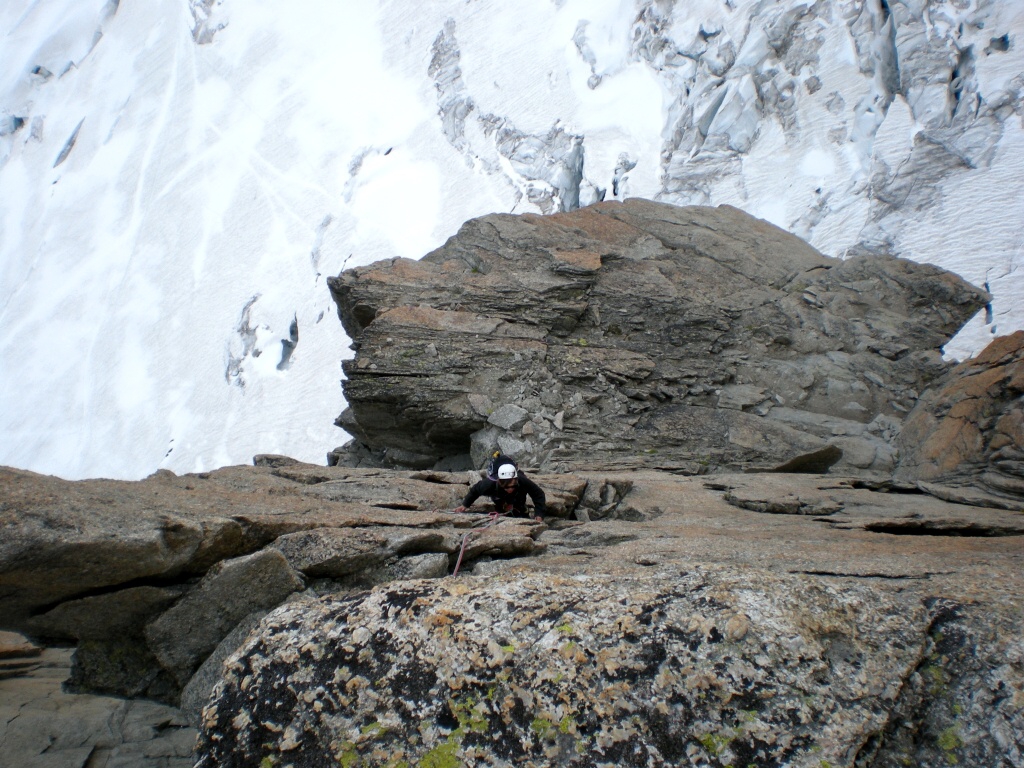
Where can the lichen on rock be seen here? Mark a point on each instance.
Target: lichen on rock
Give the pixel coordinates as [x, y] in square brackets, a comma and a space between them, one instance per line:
[704, 667]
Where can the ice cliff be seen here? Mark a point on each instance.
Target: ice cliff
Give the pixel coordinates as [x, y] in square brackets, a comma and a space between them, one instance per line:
[178, 179]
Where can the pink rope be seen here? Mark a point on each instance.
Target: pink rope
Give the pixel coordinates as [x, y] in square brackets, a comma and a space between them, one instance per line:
[492, 519]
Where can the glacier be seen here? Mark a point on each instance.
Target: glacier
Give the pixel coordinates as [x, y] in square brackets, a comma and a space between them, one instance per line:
[178, 178]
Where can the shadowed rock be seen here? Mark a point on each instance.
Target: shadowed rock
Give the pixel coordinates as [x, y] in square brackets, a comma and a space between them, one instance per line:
[816, 462]
[183, 636]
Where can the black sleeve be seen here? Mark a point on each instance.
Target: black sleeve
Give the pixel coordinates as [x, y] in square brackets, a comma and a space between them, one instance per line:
[479, 489]
[535, 493]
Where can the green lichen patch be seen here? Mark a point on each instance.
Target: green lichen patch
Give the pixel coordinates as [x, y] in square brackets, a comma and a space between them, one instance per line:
[631, 671]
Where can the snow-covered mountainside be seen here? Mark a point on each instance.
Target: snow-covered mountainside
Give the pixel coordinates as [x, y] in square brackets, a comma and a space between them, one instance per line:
[179, 177]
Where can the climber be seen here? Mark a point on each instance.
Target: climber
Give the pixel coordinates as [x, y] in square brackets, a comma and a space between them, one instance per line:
[508, 488]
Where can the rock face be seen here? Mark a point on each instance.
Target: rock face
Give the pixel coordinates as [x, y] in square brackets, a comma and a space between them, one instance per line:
[786, 618]
[149, 577]
[755, 619]
[304, 615]
[639, 335]
[42, 725]
[659, 668]
[968, 434]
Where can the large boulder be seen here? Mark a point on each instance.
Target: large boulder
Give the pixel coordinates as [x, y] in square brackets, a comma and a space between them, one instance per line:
[639, 334]
[649, 668]
[187, 633]
[965, 438]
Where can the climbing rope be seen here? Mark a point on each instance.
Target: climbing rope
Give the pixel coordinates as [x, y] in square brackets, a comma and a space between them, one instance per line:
[492, 519]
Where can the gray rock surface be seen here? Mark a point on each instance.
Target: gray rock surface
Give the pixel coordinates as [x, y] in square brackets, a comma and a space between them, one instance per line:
[70, 546]
[718, 618]
[335, 553]
[660, 668]
[194, 558]
[196, 692]
[639, 335]
[108, 616]
[188, 632]
[749, 619]
[41, 726]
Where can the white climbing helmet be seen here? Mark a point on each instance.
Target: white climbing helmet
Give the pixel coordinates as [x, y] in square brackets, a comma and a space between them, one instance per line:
[506, 472]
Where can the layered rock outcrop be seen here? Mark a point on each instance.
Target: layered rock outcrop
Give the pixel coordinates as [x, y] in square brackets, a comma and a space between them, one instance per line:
[639, 334]
[694, 620]
[148, 578]
[749, 619]
[965, 438]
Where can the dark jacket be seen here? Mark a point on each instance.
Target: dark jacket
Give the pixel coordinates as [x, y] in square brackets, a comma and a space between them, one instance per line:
[513, 503]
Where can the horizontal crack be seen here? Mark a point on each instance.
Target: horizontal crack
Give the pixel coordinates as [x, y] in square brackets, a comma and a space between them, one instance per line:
[972, 530]
[914, 576]
[176, 580]
[886, 486]
[394, 374]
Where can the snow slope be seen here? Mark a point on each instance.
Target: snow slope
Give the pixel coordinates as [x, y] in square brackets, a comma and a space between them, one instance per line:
[178, 177]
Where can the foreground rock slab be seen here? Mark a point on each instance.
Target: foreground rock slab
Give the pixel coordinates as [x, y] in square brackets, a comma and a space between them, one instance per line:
[659, 620]
[729, 620]
[655, 667]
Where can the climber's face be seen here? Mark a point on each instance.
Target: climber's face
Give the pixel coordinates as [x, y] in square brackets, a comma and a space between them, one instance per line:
[508, 485]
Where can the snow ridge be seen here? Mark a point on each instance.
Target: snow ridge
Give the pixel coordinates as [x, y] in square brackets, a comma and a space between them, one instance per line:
[178, 179]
